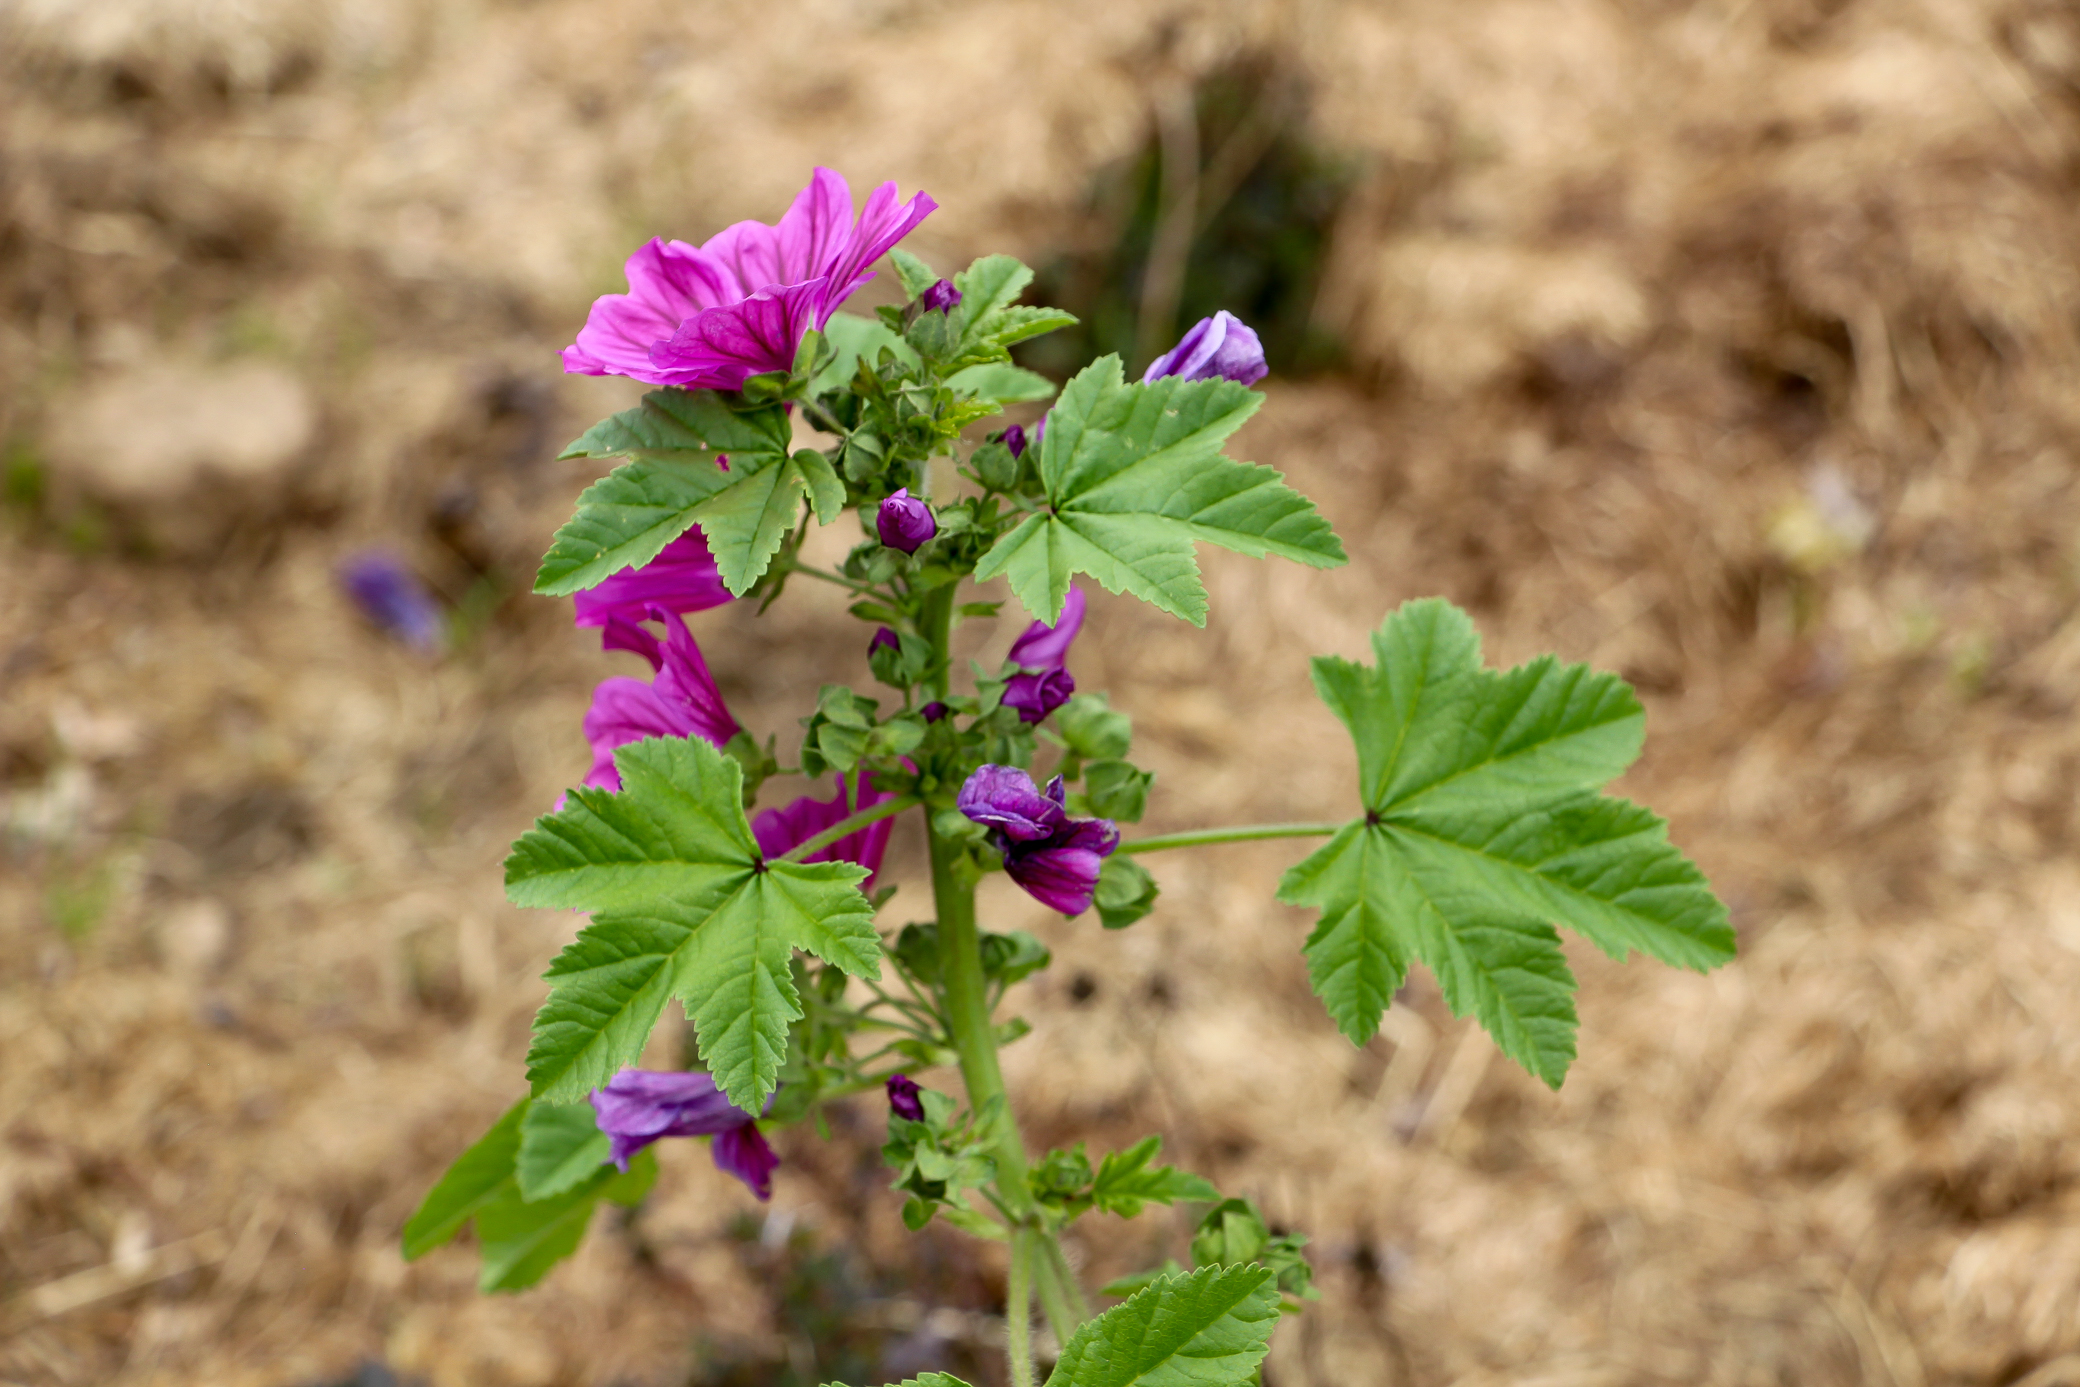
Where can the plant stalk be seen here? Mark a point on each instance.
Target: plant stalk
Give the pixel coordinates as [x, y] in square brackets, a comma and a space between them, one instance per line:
[1203, 837]
[1018, 1311]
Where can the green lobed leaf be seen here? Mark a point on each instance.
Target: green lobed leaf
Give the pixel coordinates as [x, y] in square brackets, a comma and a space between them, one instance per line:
[1211, 1326]
[479, 1175]
[747, 520]
[561, 1147]
[915, 275]
[854, 337]
[675, 440]
[684, 906]
[1135, 476]
[1002, 382]
[1483, 829]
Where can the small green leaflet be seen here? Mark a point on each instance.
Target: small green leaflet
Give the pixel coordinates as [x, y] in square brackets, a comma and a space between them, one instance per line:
[1134, 476]
[1484, 826]
[561, 1146]
[993, 318]
[1126, 1181]
[673, 481]
[683, 906]
[1206, 1329]
[521, 1235]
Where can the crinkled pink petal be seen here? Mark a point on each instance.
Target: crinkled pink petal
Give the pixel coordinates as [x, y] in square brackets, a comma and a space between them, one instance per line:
[1060, 878]
[777, 830]
[682, 701]
[801, 247]
[685, 677]
[682, 578]
[882, 223]
[669, 282]
[721, 348]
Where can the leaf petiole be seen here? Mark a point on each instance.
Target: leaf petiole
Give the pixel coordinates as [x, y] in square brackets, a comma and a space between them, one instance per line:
[846, 827]
[1205, 837]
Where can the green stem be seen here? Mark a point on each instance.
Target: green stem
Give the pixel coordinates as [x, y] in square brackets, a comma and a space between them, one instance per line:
[1054, 1301]
[1201, 837]
[968, 1016]
[846, 827]
[1079, 1309]
[1018, 1311]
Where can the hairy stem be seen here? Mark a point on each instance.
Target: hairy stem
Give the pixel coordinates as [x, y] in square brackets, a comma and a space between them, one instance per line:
[1202, 837]
[1018, 1311]
[846, 827]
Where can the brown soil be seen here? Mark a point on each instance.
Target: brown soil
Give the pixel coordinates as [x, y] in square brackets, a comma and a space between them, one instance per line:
[1727, 345]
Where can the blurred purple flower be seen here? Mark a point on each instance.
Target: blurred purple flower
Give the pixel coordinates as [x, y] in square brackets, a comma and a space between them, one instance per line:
[681, 701]
[902, 1098]
[884, 639]
[1043, 682]
[1015, 439]
[1054, 857]
[391, 596]
[712, 316]
[638, 1106]
[934, 711]
[682, 578]
[1222, 345]
[905, 522]
[777, 830]
[941, 296]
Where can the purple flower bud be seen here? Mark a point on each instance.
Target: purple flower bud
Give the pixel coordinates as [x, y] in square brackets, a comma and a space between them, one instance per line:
[1037, 695]
[1043, 647]
[884, 639]
[1015, 439]
[903, 1091]
[639, 1106]
[1222, 345]
[1055, 858]
[941, 296]
[391, 596]
[934, 711]
[905, 522]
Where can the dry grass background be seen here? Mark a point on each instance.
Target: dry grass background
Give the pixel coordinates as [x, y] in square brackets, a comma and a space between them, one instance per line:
[1727, 344]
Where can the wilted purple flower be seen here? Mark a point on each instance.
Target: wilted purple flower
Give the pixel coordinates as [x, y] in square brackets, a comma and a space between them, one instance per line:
[638, 1106]
[905, 522]
[681, 701]
[777, 830]
[902, 1098]
[1015, 439]
[941, 296]
[682, 578]
[1054, 857]
[717, 314]
[1043, 682]
[884, 639]
[391, 596]
[1222, 345]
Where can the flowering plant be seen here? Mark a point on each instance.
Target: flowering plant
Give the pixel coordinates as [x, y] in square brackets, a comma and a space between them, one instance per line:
[1483, 824]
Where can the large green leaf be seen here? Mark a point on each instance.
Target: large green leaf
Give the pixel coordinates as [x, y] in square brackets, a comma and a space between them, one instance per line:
[694, 459]
[1484, 828]
[1135, 476]
[520, 1239]
[521, 1235]
[683, 906]
[479, 1175]
[561, 1147]
[1206, 1329]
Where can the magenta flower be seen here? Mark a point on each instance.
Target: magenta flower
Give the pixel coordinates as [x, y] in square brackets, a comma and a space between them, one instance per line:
[902, 1098]
[712, 316]
[638, 1106]
[941, 296]
[777, 830]
[1222, 345]
[681, 701]
[682, 578]
[391, 596]
[905, 522]
[1043, 682]
[1054, 857]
